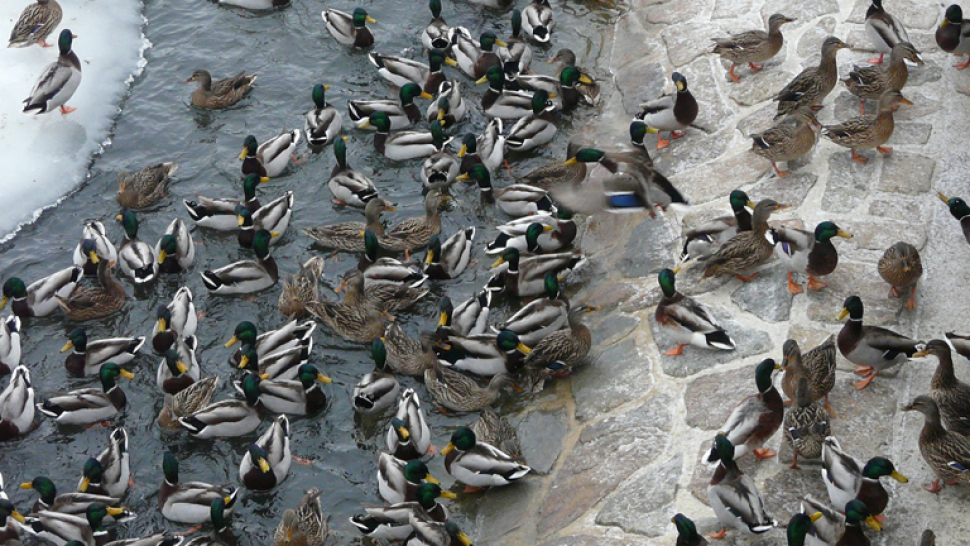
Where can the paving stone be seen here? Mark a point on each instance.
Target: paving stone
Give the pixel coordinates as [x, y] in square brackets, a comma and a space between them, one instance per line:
[730, 9]
[713, 113]
[591, 540]
[905, 209]
[616, 376]
[541, 433]
[639, 82]
[759, 86]
[749, 342]
[612, 328]
[804, 11]
[790, 190]
[648, 249]
[909, 134]
[923, 105]
[811, 41]
[854, 279]
[643, 504]
[915, 14]
[878, 235]
[709, 184]
[671, 12]
[908, 173]
[650, 45]
[711, 398]
[930, 72]
[682, 43]
[848, 182]
[758, 122]
[767, 296]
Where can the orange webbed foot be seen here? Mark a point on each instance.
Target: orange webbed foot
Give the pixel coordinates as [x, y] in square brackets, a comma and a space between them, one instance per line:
[911, 304]
[876, 60]
[678, 350]
[718, 535]
[779, 172]
[300, 460]
[662, 143]
[749, 278]
[815, 284]
[961, 66]
[864, 371]
[755, 67]
[934, 487]
[794, 287]
[858, 158]
[67, 110]
[764, 453]
[859, 385]
[678, 134]
[733, 75]
[884, 150]
[470, 489]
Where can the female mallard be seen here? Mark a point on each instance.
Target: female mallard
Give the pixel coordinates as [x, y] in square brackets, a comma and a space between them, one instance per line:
[214, 95]
[814, 255]
[358, 323]
[301, 287]
[901, 267]
[542, 316]
[517, 51]
[688, 321]
[456, 391]
[136, 257]
[485, 354]
[75, 504]
[474, 59]
[176, 319]
[704, 240]
[806, 425]
[408, 436]
[788, 140]
[274, 217]
[672, 113]
[188, 401]
[305, 525]
[536, 129]
[951, 395]
[230, 417]
[406, 355]
[953, 36]
[40, 297]
[270, 158]
[398, 480]
[747, 250]
[87, 357]
[189, 502]
[416, 232]
[348, 185]
[58, 81]
[406, 144]
[86, 303]
[754, 419]
[378, 390]
[35, 24]
[493, 429]
[753, 46]
[322, 123]
[246, 276]
[817, 365]
[350, 29]
[17, 405]
[846, 478]
[812, 85]
[65, 529]
[393, 522]
[220, 214]
[868, 131]
[449, 259]
[947, 453]
[959, 210]
[93, 247]
[437, 35]
[734, 496]
[179, 369]
[516, 200]
[557, 174]
[400, 71]
[538, 21]
[175, 250]
[146, 187]
[470, 317]
[345, 236]
[872, 81]
[871, 348]
[403, 113]
[440, 170]
[448, 107]
[500, 102]
[687, 532]
[86, 406]
[538, 234]
[479, 465]
[267, 462]
[487, 148]
[10, 348]
[524, 277]
[300, 396]
[884, 31]
[561, 352]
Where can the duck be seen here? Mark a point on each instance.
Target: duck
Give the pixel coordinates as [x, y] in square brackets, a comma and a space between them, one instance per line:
[499, 101]
[672, 113]
[58, 82]
[951, 395]
[245, 276]
[322, 123]
[788, 140]
[87, 357]
[188, 401]
[279, 365]
[516, 200]
[230, 417]
[427, 532]
[635, 185]
[440, 170]
[349, 186]
[958, 209]
[753, 46]
[179, 368]
[456, 391]
[110, 472]
[565, 87]
[687, 532]
[470, 317]
[806, 425]
[398, 480]
[960, 343]
[474, 59]
[35, 24]
[86, 303]
[302, 396]
[847, 478]
[416, 232]
[393, 522]
[408, 436]
[219, 94]
[883, 30]
[868, 131]
[86, 406]
[871, 348]
[449, 259]
[755, 418]
[947, 453]
[487, 148]
[540, 317]
[406, 355]
[524, 277]
[64, 529]
[39, 298]
[812, 85]
[801, 527]
[221, 534]
[538, 21]
[953, 34]
[537, 234]
[689, 321]
[274, 217]
[267, 462]
[872, 81]
[703, 241]
[136, 257]
[485, 354]
[517, 50]
[403, 113]
[144, 188]
[301, 287]
[10, 348]
[735, 498]
[566, 58]
[493, 429]
[747, 250]
[385, 294]
[437, 35]
[536, 129]
[406, 144]
[400, 71]
[164, 538]
[189, 502]
[304, 525]
[902, 268]
[75, 504]
[561, 352]
[10, 522]
[817, 365]
[17, 405]
[93, 247]
[811, 253]
[350, 29]
[856, 513]
[359, 323]
[448, 107]
[557, 174]
[220, 214]
[270, 158]
[829, 526]
[177, 319]
[479, 465]
[385, 269]
[176, 249]
[378, 390]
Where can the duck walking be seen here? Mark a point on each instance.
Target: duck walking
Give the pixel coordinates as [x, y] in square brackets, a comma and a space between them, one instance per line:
[58, 81]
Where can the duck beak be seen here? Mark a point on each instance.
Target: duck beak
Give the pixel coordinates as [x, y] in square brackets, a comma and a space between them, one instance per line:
[920, 354]
[546, 229]
[324, 379]
[916, 59]
[242, 154]
[844, 234]
[584, 79]
[430, 257]
[904, 100]
[83, 486]
[26, 485]
[263, 179]
[463, 538]
[899, 477]
[462, 151]
[67, 346]
[448, 448]
[441, 115]
[240, 220]
[93, 256]
[498, 262]
[524, 349]
[426, 95]
[448, 495]
[182, 368]
[243, 362]
[450, 62]
[501, 43]
[370, 19]
[264, 377]
[944, 23]
[3, 302]
[128, 375]
[431, 479]
[442, 319]
[263, 465]
[113, 511]
[481, 80]
[842, 314]
[571, 161]
[365, 124]
[751, 204]
[403, 432]
[463, 177]
[232, 341]
[939, 194]
[17, 516]
[340, 288]
[274, 234]
[161, 256]
[871, 522]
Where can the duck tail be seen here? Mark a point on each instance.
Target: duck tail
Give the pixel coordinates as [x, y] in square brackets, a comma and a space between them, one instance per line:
[376, 60]
[194, 425]
[50, 409]
[136, 344]
[195, 211]
[211, 280]
[720, 340]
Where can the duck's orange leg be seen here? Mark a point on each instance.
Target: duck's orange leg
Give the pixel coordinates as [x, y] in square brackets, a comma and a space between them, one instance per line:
[963, 65]
[884, 150]
[764, 453]
[749, 278]
[858, 158]
[755, 67]
[794, 287]
[734, 76]
[718, 535]
[678, 350]
[779, 172]
[815, 284]
[934, 487]
[662, 142]
[859, 385]
[876, 60]
[911, 304]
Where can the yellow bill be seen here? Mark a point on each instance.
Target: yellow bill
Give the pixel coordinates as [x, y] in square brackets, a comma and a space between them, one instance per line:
[114, 511]
[161, 257]
[572, 161]
[448, 495]
[871, 522]
[232, 341]
[498, 262]
[523, 348]
[842, 314]
[243, 153]
[323, 379]
[369, 19]
[3, 302]
[448, 448]
[431, 479]
[463, 150]
[243, 362]
[67, 346]
[844, 234]
[263, 465]
[83, 486]
[899, 477]
[442, 319]
[128, 375]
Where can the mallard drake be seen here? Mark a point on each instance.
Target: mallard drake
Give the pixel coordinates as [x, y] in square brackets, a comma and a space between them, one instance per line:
[416, 232]
[393, 522]
[901, 267]
[801, 528]
[322, 123]
[517, 51]
[35, 24]
[829, 526]
[428, 532]
[872, 81]
[868, 131]
[176, 319]
[538, 21]
[947, 453]
[747, 250]
[806, 425]
[753, 46]
[86, 406]
[817, 365]
[408, 436]
[788, 140]
[456, 391]
[440, 170]
[215, 95]
[305, 525]
[230, 417]
[301, 287]
[704, 240]
[86, 303]
[687, 532]
[540, 317]
[470, 317]
[437, 35]
[493, 429]
[958, 209]
[558, 175]
[221, 534]
[398, 480]
[270, 158]
[538, 234]
[524, 277]
[638, 132]
[75, 504]
[17, 405]
[93, 247]
[399, 71]
[302, 396]
[10, 348]
[856, 513]
[246, 276]
[812, 254]
[812, 85]
[448, 260]
[220, 214]
[378, 390]
[634, 186]
[64, 529]
[688, 321]
[188, 401]
[179, 368]
[189, 502]
[672, 113]
[110, 472]
[406, 355]
[40, 297]
[846, 478]
[381, 293]
[951, 395]
[386, 269]
[871, 348]
[406, 144]
[953, 35]
[349, 186]
[267, 462]
[350, 29]
[884, 31]
[479, 465]
[146, 187]
[175, 250]
[10, 522]
[487, 148]
[136, 257]
[733, 494]
[754, 419]
[359, 323]
[87, 357]
[500, 102]
[281, 364]
[516, 200]
[566, 58]
[58, 81]
[565, 87]
[403, 113]
[536, 129]
[483, 354]
[345, 236]
[274, 217]
[448, 107]
[561, 352]
[474, 59]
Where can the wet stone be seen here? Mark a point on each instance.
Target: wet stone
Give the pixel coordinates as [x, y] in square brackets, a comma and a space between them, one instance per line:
[848, 182]
[649, 44]
[929, 72]
[541, 434]
[671, 12]
[811, 41]
[711, 398]
[790, 190]
[749, 342]
[908, 134]
[683, 45]
[712, 184]
[908, 173]
[614, 377]
[759, 86]
[640, 82]
[766, 297]
[713, 112]
[612, 328]
[648, 249]
[643, 504]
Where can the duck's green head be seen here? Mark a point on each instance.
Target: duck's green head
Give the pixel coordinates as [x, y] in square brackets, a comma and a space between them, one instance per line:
[77, 339]
[90, 473]
[217, 514]
[361, 18]
[826, 230]
[96, 513]
[110, 372]
[852, 308]
[428, 492]
[435, 7]
[245, 332]
[249, 147]
[167, 246]
[479, 173]
[250, 388]
[434, 251]
[532, 234]
[799, 526]
[261, 243]
[170, 467]
[953, 16]
[878, 467]
[444, 108]
[516, 22]
[541, 102]
[371, 245]
[668, 282]
[411, 91]
[259, 457]
[469, 145]
[380, 121]
[437, 133]
[44, 487]
[244, 217]
[248, 358]
[378, 352]
[511, 257]
[462, 439]
[488, 40]
[495, 77]
[639, 131]
[550, 285]
[7, 510]
[507, 341]
[13, 288]
[400, 429]
[340, 151]
[308, 374]
[564, 214]
[739, 200]
[680, 81]
[416, 472]
[586, 155]
[762, 374]
[570, 76]
[129, 223]
[174, 362]
[320, 95]
[686, 530]
[249, 186]
[437, 57]
[65, 41]
[445, 309]
[958, 207]
[90, 249]
[856, 512]
[723, 448]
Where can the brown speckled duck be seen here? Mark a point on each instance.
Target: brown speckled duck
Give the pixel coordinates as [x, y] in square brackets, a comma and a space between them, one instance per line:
[901, 267]
[817, 365]
[947, 453]
[868, 131]
[806, 425]
[791, 138]
[812, 85]
[753, 46]
[951, 395]
[146, 187]
[213, 95]
[871, 82]
[91, 302]
[746, 250]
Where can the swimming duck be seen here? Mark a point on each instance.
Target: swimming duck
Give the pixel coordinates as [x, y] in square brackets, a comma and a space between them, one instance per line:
[474, 59]
[64, 529]
[470, 317]
[448, 107]
[754, 419]
[561, 352]
[300, 288]
[179, 368]
[485, 354]
[378, 390]
[440, 169]
[267, 462]
[39, 298]
[350, 29]
[515, 200]
[246, 276]
[386, 269]
[10, 522]
[688, 321]
[348, 185]
[806, 425]
[437, 35]
[400, 71]
[136, 257]
[274, 217]
[146, 187]
[175, 250]
[495, 430]
[565, 87]
[449, 259]
[270, 158]
[35, 24]
[487, 148]
[230, 417]
[388, 293]
[176, 319]
[220, 214]
[416, 232]
[959, 210]
[566, 58]
[86, 406]
[300, 396]
[86, 303]
[788, 140]
[322, 123]
[479, 465]
[17, 405]
[189, 502]
[747, 250]
[812, 85]
[215, 95]
[813, 254]
[687, 532]
[733, 494]
[517, 51]
[75, 504]
[524, 277]
[58, 81]
[87, 357]
[704, 240]
[359, 323]
[398, 480]
[428, 532]
[499, 101]
[456, 391]
[817, 365]
[393, 522]
[536, 129]
[868, 131]
[188, 401]
[406, 355]
[537, 234]
[901, 267]
[672, 113]
[557, 174]
[872, 81]
[951, 395]
[281, 364]
[883, 30]
[847, 478]
[947, 453]
[94, 243]
[406, 144]
[164, 538]
[110, 472]
[403, 113]
[953, 35]
[871, 348]
[408, 436]
[10, 348]
[538, 22]
[221, 534]
[753, 46]
[542, 316]
[305, 525]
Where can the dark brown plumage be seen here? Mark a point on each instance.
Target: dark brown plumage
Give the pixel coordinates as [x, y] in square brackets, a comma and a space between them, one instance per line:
[901, 267]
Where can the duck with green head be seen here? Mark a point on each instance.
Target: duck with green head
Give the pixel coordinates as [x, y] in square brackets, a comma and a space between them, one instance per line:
[270, 158]
[485, 355]
[440, 170]
[561, 352]
[800, 528]
[246, 276]
[179, 369]
[756, 418]
[687, 532]
[175, 250]
[220, 214]
[517, 52]
[189, 502]
[536, 129]
[810, 253]
[350, 28]
[641, 188]
[94, 247]
[475, 59]
[39, 298]
[542, 316]
[110, 472]
[75, 504]
[398, 480]
[267, 462]
[403, 113]
[408, 436]
[516, 200]
[379, 389]
[448, 260]
[86, 406]
[301, 396]
[435, 533]
[734, 496]
[400, 71]
[703, 241]
[536, 234]
[67, 529]
[230, 417]
[177, 319]
[524, 277]
[486, 149]
[951, 34]
[403, 145]
[274, 217]
[10, 522]
[499, 101]
[479, 465]
[437, 35]
[857, 513]
[688, 321]
[323, 122]
[448, 107]
[847, 478]
[671, 112]
[392, 523]
[290, 335]
[87, 356]
[871, 348]
[136, 257]
[58, 82]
